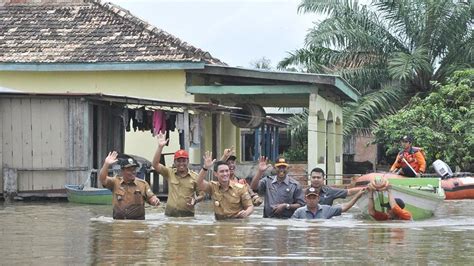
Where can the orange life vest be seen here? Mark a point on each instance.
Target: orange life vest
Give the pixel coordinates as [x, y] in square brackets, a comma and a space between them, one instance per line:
[410, 156]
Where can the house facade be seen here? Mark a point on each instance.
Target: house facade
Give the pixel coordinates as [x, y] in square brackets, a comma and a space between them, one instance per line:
[88, 46]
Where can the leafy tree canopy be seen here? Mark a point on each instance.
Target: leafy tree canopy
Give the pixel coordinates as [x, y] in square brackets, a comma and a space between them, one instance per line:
[389, 50]
[442, 123]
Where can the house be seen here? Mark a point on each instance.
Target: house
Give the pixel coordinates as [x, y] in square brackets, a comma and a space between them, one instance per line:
[90, 47]
[52, 139]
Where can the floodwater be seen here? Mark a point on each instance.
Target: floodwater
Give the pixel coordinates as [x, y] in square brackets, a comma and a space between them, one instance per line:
[59, 233]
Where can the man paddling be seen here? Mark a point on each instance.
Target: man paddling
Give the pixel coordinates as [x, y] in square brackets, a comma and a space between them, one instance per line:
[410, 161]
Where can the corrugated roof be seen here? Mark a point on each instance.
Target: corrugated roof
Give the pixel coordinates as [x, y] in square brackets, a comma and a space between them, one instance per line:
[87, 32]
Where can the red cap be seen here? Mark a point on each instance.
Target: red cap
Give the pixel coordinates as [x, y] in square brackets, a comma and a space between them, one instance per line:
[181, 154]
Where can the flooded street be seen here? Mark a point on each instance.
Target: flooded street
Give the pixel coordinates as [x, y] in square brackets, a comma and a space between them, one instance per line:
[67, 233]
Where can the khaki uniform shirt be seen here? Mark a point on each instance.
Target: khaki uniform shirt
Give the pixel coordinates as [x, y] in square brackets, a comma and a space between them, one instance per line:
[180, 189]
[230, 202]
[128, 198]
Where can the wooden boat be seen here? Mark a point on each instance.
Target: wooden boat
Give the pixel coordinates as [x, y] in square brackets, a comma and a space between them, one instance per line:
[88, 195]
[421, 195]
[427, 183]
[458, 188]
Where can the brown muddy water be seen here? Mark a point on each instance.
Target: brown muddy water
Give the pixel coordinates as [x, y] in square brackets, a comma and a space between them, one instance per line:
[49, 233]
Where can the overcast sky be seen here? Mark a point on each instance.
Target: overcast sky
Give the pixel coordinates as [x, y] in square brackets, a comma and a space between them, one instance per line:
[235, 31]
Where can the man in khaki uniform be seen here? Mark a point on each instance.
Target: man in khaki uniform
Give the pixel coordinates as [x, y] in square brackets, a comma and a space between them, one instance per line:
[183, 191]
[129, 193]
[231, 199]
[230, 159]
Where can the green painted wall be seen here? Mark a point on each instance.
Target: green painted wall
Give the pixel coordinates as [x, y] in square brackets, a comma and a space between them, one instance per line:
[228, 134]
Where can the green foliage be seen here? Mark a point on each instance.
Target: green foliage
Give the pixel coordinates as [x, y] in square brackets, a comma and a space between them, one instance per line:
[298, 131]
[403, 45]
[442, 123]
[299, 153]
[298, 128]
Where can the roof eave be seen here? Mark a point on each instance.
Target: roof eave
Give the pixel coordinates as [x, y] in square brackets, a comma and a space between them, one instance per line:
[350, 93]
[44, 67]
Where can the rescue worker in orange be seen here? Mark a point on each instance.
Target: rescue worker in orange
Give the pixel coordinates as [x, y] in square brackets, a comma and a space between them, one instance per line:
[395, 208]
[409, 158]
[229, 157]
[129, 192]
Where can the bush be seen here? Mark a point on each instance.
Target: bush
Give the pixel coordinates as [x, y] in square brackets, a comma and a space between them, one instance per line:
[296, 154]
[441, 124]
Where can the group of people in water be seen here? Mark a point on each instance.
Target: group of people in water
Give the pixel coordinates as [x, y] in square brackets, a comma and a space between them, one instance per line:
[233, 197]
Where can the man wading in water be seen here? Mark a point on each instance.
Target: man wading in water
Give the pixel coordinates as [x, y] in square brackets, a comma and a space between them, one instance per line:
[183, 191]
[230, 158]
[129, 192]
[231, 199]
[283, 195]
[395, 208]
[328, 194]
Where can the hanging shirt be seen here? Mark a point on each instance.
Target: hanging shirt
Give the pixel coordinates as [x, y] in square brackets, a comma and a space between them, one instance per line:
[159, 122]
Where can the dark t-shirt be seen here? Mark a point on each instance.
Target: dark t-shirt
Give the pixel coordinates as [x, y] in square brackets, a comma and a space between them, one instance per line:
[328, 194]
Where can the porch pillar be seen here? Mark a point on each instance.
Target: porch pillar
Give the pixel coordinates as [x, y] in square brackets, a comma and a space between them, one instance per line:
[316, 144]
[331, 153]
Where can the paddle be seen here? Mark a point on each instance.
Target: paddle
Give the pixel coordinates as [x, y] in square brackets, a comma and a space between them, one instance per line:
[411, 168]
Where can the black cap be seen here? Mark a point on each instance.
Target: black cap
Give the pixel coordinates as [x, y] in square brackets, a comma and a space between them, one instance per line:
[127, 161]
[407, 138]
[399, 202]
[231, 158]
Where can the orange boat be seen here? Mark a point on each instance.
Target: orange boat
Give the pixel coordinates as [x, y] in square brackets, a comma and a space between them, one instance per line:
[364, 180]
[458, 188]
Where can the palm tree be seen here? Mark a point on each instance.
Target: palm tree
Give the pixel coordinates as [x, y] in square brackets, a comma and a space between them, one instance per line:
[389, 50]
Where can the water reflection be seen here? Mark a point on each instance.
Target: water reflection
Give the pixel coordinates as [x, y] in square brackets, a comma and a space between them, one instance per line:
[65, 233]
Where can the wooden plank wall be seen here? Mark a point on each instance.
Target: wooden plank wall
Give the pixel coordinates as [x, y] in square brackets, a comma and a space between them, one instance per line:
[50, 141]
[79, 140]
[3, 114]
[47, 140]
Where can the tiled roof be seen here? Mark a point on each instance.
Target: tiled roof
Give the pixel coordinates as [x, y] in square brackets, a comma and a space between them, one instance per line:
[88, 32]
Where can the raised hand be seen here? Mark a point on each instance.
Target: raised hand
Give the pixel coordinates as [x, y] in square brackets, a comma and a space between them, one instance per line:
[111, 158]
[228, 152]
[161, 139]
[262, 164]
[208, 161]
